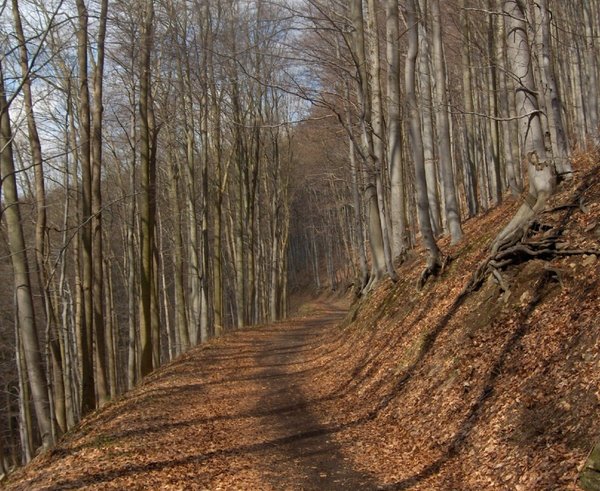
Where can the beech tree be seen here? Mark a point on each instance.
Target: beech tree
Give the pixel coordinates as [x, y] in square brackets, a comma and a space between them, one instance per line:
[541, 169]
[148, 201]
[416, 140]
[443, 126]
[26, 319]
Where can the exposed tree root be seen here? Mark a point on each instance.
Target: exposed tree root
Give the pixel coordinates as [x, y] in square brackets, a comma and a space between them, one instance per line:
[433, 268]
[524, 244]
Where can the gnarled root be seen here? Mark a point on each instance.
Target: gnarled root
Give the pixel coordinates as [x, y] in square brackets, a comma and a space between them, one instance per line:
[526, 238]
[433, 267]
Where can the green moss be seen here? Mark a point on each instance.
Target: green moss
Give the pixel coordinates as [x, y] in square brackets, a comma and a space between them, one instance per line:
[589, 480]
[102, 441]
[411, 353]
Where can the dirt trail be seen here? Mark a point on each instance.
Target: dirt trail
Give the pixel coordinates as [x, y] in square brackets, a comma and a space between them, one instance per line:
[235, 414]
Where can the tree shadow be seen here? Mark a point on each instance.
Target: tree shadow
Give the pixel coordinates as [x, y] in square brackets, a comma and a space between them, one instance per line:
[297, 449]
[306, 439]
[474, 414]
[319, 460]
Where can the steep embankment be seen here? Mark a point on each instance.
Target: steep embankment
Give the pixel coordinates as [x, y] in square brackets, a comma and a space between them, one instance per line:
[431, 390]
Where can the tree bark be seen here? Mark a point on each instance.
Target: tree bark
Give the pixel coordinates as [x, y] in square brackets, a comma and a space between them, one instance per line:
[427, 127]
[416, 140]
[102, 382]
[88, 393]
[41, 227]
[443, 127]
[560, 148]
[397, 207]
[23, 294]
[148, 195]
[470, 172]
[542, 177]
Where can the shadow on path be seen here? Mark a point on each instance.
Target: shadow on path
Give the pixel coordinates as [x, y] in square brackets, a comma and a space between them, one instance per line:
[264, 421]
[313, 457]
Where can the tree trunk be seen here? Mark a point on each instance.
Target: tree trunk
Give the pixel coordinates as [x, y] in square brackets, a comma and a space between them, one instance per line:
[397, 207]
[25, 423]
[102, 382]
[23, 295]
[178, 263]
[88, 393]
[40, 227]
[591, 106]
[416, 140]
[493, 133]
[427, 129]
[542, 177]
[510, 164]
[146, 216]
[132, 284]
[470, 173]
[443, 127]
[560, 148]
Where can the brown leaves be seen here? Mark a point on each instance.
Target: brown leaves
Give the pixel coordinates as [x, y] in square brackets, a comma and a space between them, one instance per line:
[413, 394]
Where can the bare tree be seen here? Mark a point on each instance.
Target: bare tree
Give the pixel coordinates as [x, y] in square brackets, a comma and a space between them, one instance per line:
[23, 295]
[443, 126]
[416, 141]
[148, 201]
[542, 175]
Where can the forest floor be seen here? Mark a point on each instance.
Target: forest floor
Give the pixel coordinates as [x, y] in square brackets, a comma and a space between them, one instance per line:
[424, 389]
[234, 414]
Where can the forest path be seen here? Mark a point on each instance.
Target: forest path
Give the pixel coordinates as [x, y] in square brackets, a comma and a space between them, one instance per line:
[237, 413]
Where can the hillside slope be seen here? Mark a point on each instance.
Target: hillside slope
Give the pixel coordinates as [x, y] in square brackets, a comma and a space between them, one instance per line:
[443, 388]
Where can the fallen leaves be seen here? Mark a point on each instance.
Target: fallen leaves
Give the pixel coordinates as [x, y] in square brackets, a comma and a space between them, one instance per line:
[413, 394]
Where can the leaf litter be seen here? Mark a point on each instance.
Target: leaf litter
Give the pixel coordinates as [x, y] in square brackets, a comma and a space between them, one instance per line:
[416, 392]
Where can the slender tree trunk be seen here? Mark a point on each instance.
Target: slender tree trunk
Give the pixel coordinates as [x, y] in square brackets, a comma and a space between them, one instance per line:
[23, 295]
[427, 130]
[178, 264]
[511, 166]
[493, 163]
[88, 397]
[204, 217]
[217, 256]
[469, 137]
[132, 285]
[146, 216]
[443, 126]
[25, 423]
[156, 238]
[111, 324]
[66, 334]
[560, 148]
[102, 382]
[397, 207]
[591, 106]
[416, 140]
[358, 217]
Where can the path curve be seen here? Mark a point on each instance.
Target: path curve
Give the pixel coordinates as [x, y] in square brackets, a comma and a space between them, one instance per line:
[234, 414]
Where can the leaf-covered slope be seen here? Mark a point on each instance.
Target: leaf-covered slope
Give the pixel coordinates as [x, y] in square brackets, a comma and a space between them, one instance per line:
[434, 389]
[494, 389]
